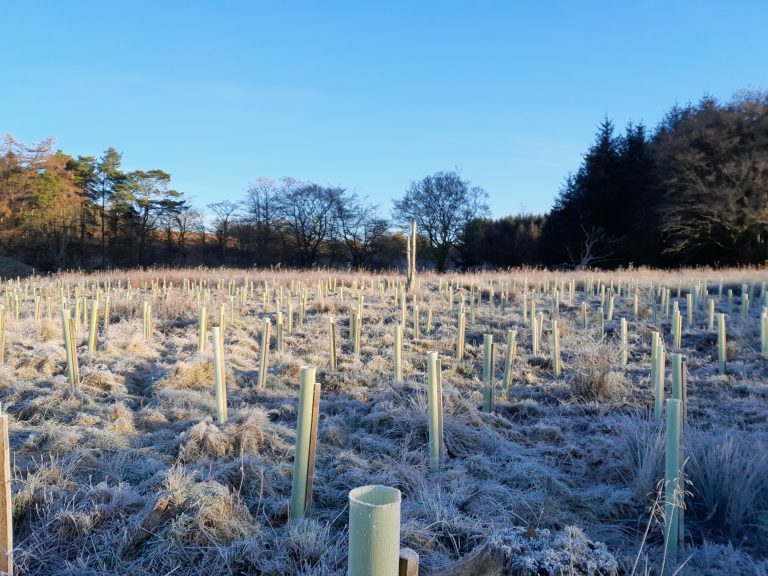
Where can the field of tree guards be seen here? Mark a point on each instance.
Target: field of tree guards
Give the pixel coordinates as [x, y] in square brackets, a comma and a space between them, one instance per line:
[525, 422]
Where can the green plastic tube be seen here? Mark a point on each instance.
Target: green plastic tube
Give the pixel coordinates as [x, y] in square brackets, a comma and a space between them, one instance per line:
[721, 355]
[672, 489]
[556, 366]
[677, 376]
[435, 400]
[303, 440]
[658, 384]
[460, 334]
[218, 374]
[624, 342]
[94, 322]
[203, 329]
[374, 531]
[689, 309]
[332, 342]
[488, 384]
[264, 354]
[66, 331]
[509, 358]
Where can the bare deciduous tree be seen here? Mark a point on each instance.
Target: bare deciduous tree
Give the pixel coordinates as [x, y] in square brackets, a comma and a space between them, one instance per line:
[222, 218]
[715, 183]
[261, 206]
[360, 227]
[306, 215]
[442, 205]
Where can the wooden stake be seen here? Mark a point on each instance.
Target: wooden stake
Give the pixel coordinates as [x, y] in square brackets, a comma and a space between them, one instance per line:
[312, 446]
[6, 506]
[409, 563]
[2, 332]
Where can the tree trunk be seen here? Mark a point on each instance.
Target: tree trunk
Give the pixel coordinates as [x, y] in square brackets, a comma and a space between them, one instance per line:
[103, 231]
[441, 257]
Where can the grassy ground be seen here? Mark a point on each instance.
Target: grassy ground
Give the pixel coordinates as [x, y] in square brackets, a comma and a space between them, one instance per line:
[130, 474]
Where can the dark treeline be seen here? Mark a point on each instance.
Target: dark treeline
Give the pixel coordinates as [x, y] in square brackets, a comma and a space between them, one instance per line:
[693, 191]
[507, 242]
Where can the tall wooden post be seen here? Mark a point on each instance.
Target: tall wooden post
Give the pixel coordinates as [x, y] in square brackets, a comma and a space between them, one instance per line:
[6, 507]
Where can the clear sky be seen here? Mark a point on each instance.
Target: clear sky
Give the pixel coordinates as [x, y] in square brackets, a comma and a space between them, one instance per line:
[365, 95]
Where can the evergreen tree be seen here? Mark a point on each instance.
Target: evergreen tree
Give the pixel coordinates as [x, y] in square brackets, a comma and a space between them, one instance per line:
[604, 213]
[580, 229]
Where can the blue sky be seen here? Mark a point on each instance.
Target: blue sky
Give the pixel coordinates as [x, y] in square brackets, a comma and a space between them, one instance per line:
[365, 95]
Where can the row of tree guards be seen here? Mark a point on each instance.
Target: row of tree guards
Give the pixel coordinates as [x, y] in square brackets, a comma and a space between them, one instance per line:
[381, 503]
[83, 308]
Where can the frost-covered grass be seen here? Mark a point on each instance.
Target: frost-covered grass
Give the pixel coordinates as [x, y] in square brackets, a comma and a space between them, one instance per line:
[130, 474]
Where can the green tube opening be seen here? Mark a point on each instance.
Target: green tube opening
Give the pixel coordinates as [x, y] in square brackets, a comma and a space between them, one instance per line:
[374, 531]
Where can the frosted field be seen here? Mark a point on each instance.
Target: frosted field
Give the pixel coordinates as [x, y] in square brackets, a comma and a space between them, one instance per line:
[131, 474]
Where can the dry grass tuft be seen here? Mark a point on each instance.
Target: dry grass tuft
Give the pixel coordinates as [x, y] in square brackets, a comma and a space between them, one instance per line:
[50, 330]
[101, 383]
[568, 551]
[121, 419]
[729, 484]
[594, 378]
[639, 454]
[57, 405]
[202, 442]
[151, 417]
[307, 541]
[189, 376]
[210, 514]
[42, 487]
[206, 441]
[133, 344]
